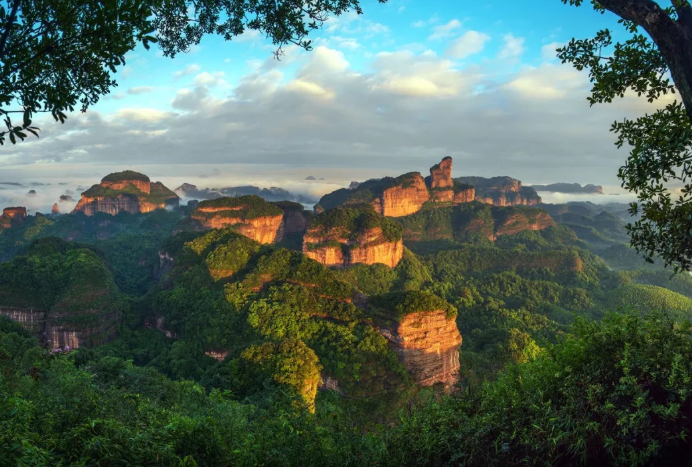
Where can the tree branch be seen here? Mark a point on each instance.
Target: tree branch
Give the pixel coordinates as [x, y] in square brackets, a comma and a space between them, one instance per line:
[8, 26]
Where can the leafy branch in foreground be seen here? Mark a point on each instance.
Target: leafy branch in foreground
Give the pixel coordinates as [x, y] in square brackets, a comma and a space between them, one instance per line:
[56, 56]
[658, 168]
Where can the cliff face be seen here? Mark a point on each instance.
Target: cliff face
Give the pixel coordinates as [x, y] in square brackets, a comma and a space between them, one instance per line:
[334, 247]
[346, 236]
[502, 191]
[441, 183]
[518, 222]
[248, 215]
[427, 343]
[126, 191]
[12, 216]
[404, 199]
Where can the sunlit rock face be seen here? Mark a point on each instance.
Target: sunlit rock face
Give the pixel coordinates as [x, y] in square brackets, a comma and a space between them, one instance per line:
[502, 191]
[441, 183]
[250, 216]
[427, 343]
[403, 199]
[127, 191]
[336, 248]
[345, 236]
[12, 216]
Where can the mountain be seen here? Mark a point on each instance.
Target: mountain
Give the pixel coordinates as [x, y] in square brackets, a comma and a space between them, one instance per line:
[502, 191]
[409, 193]
[12, 216]
[569, 188]
[126, 191]
[188, 190]
[346, 236]
[63, 293]
[250, 215]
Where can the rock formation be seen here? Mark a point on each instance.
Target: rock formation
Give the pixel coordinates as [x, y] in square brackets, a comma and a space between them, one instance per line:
[249, 215]
[391, 197]
[345, 236]
[440, 181]
[126, 191]
[424, 335]
[12, 216]
[469, 222]
[78, 306]
[408, 193]
[502, 191]
[55, 209]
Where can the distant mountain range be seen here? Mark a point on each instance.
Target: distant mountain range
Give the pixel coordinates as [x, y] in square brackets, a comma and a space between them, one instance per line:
[569, 188]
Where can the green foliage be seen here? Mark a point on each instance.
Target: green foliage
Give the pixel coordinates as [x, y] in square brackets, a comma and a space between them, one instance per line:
[245, 207]
[125, 175]
[648, 297]
[658, 163]
[356, 220]
[617, 393]
[367, 191]
[397, 305]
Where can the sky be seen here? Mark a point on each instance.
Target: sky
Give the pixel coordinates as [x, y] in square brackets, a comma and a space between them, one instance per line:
[391, 91]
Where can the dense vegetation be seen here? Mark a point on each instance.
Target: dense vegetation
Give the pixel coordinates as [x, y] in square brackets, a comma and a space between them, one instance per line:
[367, 191]
[356, 220]
[223, 345]
[246, 207]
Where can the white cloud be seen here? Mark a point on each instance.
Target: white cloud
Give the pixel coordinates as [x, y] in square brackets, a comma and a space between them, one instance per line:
[126, 71]
[140, 90]
[188, 70]
[445, 30]
[423, 23]
[469, 44]
[142, 115]
[307, 87]
[514, 46]
[210, 79]
[548, 50]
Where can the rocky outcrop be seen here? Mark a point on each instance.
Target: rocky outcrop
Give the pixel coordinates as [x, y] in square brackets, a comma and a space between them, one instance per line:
[515, 222]
[469, 222]
[346, 236]
[126, 191]
[427, 343]
[296, 220]
[219, 355]
[12, 216]
[502, 191]
[55, 209]
[391, 197]
[61, 330]
[250, 216]
[403, 199]
[441, 183]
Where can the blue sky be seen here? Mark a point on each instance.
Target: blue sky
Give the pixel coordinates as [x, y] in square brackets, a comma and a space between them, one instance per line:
[387, 92]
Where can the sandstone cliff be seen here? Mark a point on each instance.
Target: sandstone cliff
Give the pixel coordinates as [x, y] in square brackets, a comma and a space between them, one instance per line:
[346, 236]
[249, 215]
[391, 197]
[12, 216]
[409, 193]
[502, 191]
[422, 331]
[126, 191]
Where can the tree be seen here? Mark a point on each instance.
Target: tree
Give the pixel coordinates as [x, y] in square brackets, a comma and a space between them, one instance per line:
[659, 166]
[58, 55]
